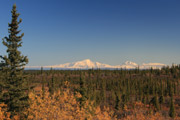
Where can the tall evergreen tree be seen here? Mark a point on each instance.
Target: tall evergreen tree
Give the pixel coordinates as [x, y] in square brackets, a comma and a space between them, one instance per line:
[15, 94]
[172, 109]
[123, 102]
[155, 102]
[82, 90]
[103, 92]
[161, 100]
[51, 83]
[43, 83]
[117, 102]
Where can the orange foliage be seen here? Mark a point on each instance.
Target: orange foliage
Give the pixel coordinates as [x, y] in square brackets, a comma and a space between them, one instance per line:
[3, 114]
[64, 106]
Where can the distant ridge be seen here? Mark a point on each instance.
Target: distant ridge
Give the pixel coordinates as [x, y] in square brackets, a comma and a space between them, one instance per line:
[88, 64]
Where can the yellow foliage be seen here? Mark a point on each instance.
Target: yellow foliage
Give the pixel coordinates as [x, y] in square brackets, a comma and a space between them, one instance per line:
[3, 114]
[64, 106]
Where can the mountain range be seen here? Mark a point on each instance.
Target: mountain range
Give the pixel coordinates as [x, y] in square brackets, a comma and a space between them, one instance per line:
[88, 64]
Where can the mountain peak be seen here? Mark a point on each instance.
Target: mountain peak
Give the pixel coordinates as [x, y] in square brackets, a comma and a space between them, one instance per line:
[88, 64]
[130, 63]
[87, 60]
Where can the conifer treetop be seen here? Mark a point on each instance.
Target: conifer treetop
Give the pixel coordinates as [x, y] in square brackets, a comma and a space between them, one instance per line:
[14, 41]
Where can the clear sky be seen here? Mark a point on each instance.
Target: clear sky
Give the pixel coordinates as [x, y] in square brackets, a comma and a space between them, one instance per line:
[107, 31]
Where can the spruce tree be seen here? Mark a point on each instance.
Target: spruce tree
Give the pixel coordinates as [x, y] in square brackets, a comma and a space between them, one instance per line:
[103, 92]
[155, 102]
[82, 91]
[144, 99]
[117, 102]
[123, 102]
[15, 95]
[172, 109]
[51, 85]
[161, 100]
[43, 83]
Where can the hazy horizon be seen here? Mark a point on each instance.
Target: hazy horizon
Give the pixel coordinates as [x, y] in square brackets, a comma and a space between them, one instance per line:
[107, 31]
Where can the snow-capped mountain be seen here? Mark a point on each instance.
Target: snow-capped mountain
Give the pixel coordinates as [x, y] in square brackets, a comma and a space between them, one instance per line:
[152, 65]
[88, 64]
[128, 65]
[84, 64]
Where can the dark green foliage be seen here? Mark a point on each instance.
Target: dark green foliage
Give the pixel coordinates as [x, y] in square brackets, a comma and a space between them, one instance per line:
[147, 98]
[94, 97]
[117, 102]
[161, 99]
[140, 92]
[51, 85]
[103, 92]
[171, 92]
[143, 99]
[175, 89]
[82, 91]
[172, 112]
[15, 95]
[123, 103]
[112, 96]
[155, 102]
[43, 83]
[98, 98]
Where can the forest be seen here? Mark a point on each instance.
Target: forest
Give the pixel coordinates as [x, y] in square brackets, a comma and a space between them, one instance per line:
[93, 94]
[153, 91]
[118, 94]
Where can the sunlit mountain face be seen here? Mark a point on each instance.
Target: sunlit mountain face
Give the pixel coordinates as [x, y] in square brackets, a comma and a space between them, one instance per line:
[88, 64]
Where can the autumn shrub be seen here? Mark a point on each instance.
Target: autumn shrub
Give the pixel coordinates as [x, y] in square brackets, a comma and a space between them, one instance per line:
[2, 112]
[63, 105]
[4, 115]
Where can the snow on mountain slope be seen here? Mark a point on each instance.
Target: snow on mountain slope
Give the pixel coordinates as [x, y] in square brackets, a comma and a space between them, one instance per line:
[152, 65]
[128, 65]
[88, 64]
[101, 65]
[84, 64]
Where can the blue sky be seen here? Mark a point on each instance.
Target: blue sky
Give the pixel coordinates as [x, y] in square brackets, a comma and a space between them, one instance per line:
[108, 31]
